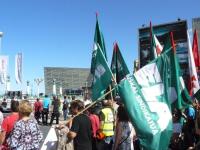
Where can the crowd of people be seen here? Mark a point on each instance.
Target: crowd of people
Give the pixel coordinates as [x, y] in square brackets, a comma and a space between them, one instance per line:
[111, 128]
[20, 130]
[101, 126]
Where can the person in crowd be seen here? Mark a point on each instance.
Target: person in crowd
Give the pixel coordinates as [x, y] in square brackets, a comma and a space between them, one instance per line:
[26, 134]
[176, 140]
[106, 125]
[80, 130]
[125, 132]
[95, 122]
[4, 104]
[189, 128]
[73, 97]
[55, 113]
[8, 124]
[1, 119]
[45, 109]
[65, 107]
[97, 108]
[38, 109]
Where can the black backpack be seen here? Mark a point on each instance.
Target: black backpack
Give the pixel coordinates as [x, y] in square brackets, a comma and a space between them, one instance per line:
[65, 105]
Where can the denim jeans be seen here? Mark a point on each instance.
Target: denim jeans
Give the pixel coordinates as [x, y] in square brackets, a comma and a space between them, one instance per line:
[65, 114]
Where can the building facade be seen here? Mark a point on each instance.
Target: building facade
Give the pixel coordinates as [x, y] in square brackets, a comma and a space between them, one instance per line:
[179, 29]
[66, 80]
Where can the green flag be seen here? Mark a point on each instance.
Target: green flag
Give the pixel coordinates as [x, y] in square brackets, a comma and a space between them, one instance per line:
[101, 76]
[145, 95]
[98, 39]
[182, 99]
[118, 68]
[118, 65]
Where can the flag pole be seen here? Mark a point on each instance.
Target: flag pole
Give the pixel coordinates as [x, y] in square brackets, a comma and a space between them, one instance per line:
[110, 88]
[98, 100]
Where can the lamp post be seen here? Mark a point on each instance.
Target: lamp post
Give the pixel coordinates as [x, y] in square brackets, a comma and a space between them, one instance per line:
[1, 35]
[86, 90]
[28, 88]
[7, 83]
[38, 81]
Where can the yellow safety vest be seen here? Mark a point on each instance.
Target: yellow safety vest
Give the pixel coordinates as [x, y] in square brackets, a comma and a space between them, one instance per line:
[107, 126]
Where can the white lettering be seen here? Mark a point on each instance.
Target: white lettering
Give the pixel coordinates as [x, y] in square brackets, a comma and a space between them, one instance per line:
[147, 115]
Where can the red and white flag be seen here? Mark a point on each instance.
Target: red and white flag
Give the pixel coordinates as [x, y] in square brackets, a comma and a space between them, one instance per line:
[3, 69]
[195, 49]
[193, 81]
[155, 44]
[18, 68]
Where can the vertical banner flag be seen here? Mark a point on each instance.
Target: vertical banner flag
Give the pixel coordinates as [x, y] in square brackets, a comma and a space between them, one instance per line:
[18, 68]
[195, 49]
[3, 69]
[98, 39]
[180, 97]
[193, 80]
[102, 74]
[118, 68]
[156, 47]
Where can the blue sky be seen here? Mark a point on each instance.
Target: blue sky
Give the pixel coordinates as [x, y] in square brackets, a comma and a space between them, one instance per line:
[60, 33]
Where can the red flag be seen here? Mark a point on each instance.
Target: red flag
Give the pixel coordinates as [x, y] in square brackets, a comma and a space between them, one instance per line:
[195, 49]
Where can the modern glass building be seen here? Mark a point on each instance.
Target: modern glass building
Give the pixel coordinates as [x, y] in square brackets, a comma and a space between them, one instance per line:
[67, 80]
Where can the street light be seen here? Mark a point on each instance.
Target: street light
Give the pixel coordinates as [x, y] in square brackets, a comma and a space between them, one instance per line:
[38, 81]
[86, 90]
[28, 88]
[1, 35]
[7, 83]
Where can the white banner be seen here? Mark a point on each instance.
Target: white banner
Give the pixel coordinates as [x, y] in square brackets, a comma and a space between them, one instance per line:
[3, 68]
[18, 68]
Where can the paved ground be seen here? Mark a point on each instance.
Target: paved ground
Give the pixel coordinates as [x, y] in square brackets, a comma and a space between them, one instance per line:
[49, 135]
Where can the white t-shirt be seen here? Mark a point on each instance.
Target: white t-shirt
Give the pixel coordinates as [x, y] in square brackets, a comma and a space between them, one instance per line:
[1, 119]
